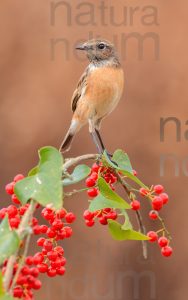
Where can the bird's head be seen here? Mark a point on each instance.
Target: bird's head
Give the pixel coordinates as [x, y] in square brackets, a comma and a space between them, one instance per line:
[98, 50]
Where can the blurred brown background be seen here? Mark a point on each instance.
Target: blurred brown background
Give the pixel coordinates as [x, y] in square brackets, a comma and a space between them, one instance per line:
[36, 85]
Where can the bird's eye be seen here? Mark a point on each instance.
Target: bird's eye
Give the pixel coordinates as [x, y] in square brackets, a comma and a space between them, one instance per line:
[101, 46]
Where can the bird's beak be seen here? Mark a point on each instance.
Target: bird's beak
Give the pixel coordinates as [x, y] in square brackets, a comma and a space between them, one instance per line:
[81, 47]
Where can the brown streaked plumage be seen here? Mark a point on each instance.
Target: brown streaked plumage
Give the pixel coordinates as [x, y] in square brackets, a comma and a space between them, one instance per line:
[98, 91]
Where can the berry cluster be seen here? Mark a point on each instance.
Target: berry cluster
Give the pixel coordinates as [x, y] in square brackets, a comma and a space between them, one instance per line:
[156, 195]
[50, 259]
[158, 199]
[163, 242]
[102, 215]
[105, 172]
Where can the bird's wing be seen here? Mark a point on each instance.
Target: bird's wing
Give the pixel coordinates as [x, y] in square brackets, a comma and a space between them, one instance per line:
[80, 90]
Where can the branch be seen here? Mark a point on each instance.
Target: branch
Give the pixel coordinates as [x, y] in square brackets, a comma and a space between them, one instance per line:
[21, 230]
[73, 161]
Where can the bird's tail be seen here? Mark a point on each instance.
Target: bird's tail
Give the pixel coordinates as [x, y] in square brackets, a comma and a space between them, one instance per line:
[66, 144]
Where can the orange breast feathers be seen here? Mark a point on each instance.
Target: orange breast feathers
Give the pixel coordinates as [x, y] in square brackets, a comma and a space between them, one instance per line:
[102, 93]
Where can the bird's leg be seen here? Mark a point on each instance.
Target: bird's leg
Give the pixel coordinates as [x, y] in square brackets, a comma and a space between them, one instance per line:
[103, 147]
[102, 144]
[96, 142]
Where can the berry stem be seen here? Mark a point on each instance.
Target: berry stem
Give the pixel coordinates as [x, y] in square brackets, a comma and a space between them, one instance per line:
[21, 230]
[164, 227]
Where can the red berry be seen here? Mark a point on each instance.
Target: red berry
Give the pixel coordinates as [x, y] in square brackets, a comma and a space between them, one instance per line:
[95, 167]
[70, 217]
[135, 205]
[9, 188]
[63, 261]
[61, 234]
[51, 233]
[18, 292]
[29, 260]
[18, 177]
[22, 279]
[22, 210]
[34, 221]
[163, 241]
[164, 197]
[90, 182]
[3, 212]
[88, 215]
[61, 271]
[57, 224]
[37, 229]
[112, 215]
[135, 173]
[40, 241]
[48, 214]
[52, 255]
[153, 215]
[158, 189]
[152, 236]
[92, 192]
[103, 220]
[38, 258]
[157, 203]
[166, 251]
[25, 270]
[15, 200]
[94, 176]
[59, 250]
[36, 284]
[12, 211]
[43, 228]
[56, 264]
[61, 213]
[51, 272]
[89, 223]
[48, 245]
[68, 231]
[34, 272]
[42, 267]
[107, 210]
[143, 191]
[14, 222]
[113, 178]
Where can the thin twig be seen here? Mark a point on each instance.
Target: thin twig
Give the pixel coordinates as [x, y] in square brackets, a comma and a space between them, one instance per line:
[138, 216]
[21, 262]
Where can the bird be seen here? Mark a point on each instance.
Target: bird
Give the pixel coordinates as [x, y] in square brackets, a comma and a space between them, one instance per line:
[97, 93]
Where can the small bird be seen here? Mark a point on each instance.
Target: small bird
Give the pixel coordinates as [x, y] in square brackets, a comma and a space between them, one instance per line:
[98, 91]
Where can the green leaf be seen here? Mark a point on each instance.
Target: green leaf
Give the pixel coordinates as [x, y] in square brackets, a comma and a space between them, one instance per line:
[2, 292]
[79, 173]
[106, 191]
[101, 202]
[44, 182]
[120, 234]
[9, 240]
[122, 160]
[134, 178]
[7, 297]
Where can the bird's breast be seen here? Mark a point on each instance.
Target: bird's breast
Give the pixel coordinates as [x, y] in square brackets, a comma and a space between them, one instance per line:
[104, 89]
